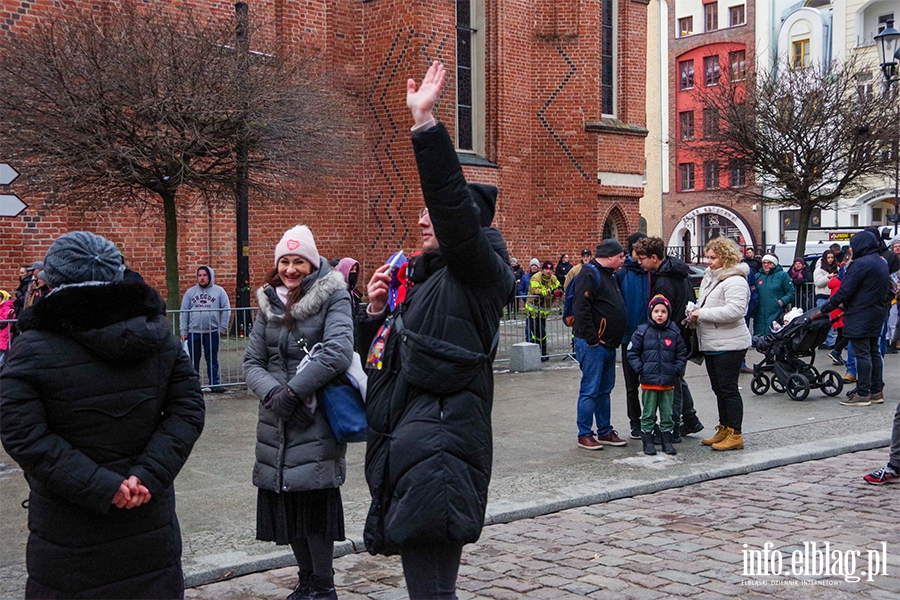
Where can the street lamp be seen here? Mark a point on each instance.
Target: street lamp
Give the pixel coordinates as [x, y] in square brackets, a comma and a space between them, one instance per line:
[888, 41]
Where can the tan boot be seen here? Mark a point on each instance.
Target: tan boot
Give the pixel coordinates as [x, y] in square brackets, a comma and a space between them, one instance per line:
[721, 434]
[734, 441]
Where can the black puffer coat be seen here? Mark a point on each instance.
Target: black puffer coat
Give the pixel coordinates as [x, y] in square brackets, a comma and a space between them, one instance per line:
[429, 451]
[94, 390]
[290, 458]
[672, 280]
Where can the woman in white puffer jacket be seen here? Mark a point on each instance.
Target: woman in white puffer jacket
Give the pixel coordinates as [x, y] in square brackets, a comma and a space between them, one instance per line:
[724, 337]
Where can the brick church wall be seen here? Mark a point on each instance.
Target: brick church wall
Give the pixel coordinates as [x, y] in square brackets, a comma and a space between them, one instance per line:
[542, 90]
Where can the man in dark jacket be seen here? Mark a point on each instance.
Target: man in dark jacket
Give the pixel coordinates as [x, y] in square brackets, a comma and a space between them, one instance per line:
[635, 285]
[599, 326]
[429, 448]
[100, 408]
[670, 277]
[864, 293]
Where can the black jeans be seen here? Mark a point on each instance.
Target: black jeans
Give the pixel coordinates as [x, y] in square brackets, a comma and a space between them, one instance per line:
[723, 370]
[632, 397]
[869, 366]
[430, 570]
[683, 404]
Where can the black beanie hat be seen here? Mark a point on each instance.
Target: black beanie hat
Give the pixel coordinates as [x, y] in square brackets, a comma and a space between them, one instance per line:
[608, 248]
[632, 240]
[485, 198]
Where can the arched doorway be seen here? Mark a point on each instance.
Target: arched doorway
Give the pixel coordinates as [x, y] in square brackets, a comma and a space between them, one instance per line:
[704, 223]
[615, 225]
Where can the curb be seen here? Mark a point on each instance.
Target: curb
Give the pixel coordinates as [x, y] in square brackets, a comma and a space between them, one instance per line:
[234, 564]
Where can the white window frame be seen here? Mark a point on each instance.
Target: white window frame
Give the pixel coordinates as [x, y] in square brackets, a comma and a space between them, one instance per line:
[479, 134]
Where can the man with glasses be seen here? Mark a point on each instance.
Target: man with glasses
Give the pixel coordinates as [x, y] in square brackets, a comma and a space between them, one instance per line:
[428, 453]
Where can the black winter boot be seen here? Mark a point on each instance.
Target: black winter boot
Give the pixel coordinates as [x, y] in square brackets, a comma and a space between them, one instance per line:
[322, 588]
[676, 435]
[647, 440]
[301, 590]
[667, 445]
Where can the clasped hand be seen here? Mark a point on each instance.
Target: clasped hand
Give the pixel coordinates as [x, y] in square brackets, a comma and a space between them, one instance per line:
[132, 493]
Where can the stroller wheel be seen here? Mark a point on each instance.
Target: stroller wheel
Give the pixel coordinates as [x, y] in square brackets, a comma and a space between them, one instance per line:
[797, 387]
[777, 385]
[759, 385]
[832, 384]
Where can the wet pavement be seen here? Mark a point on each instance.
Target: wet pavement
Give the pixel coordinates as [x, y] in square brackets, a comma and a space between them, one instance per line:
[537, 468]
[714, 539]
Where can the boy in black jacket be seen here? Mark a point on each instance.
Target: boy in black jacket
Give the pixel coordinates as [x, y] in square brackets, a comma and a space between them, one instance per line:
[658, 354]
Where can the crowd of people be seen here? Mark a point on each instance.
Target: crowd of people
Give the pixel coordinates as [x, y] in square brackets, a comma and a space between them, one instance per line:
[102, 422]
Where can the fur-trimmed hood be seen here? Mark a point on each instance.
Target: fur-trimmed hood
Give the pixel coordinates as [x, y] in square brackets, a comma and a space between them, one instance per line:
[117, 321]
[738, 270]
[317, 289]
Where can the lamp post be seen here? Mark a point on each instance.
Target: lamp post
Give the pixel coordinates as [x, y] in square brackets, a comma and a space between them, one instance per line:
[888, 42]
[242, 293]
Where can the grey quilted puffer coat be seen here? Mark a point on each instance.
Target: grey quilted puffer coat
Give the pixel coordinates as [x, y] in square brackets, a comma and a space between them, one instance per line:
[290, 458]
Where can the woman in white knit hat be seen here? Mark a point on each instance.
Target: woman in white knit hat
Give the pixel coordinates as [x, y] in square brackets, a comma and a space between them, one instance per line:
[299, 465]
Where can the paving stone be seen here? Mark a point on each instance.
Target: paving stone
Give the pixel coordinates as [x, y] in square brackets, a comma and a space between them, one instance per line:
[582, 588]
[606, 583]
[680, 590]
[500, 593]
[682, 577]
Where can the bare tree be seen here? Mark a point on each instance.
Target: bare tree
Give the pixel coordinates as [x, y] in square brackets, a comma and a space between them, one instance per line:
[810, 135]
[156, 109]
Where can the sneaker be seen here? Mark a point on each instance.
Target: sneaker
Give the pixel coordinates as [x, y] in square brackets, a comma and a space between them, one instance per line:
[635, 433]
[877, 398]
[856, 400]
[205, 388]
[884, 475]
[611, 439]
[849, 378]
[747, 370]
[589, 443]
[217, 389]
[836, 358]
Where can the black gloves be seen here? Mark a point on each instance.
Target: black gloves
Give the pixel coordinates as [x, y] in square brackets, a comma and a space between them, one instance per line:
[287, 405]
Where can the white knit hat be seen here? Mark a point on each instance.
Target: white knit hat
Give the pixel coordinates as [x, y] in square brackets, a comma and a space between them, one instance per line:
[770, 258]
[298, 240]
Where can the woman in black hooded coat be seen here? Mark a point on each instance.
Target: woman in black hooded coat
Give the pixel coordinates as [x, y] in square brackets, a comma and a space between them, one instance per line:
[101, 408]
[428, 454]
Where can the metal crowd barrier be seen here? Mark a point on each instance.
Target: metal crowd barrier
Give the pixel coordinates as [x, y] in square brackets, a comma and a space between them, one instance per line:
[232, 343]
[512, 331]
[805, 296]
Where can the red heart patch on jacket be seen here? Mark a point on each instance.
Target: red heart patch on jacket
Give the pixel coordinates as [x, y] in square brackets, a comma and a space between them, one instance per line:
[293, 244]
[667, 342]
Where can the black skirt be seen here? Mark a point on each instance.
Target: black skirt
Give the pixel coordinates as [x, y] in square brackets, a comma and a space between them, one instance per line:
[284, 517]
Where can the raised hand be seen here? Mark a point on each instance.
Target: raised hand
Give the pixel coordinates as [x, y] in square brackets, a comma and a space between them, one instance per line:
[420, 101]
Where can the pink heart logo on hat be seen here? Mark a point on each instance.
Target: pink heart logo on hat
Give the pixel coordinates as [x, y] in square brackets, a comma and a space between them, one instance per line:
[293, 244]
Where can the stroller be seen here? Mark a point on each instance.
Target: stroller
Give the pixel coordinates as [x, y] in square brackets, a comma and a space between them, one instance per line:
[784, 366]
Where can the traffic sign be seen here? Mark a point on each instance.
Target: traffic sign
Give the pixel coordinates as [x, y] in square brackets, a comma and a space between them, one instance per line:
[10, 205]
[7, 174]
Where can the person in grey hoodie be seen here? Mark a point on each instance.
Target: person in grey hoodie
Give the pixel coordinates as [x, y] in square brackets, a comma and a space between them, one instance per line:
[205, 313]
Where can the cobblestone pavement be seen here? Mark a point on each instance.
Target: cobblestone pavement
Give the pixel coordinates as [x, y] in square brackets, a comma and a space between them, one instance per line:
[690, 542]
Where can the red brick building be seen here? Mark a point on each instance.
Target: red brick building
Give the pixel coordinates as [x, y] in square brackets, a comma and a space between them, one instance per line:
[545, 99]
[708, 41]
